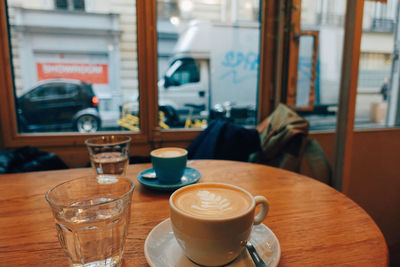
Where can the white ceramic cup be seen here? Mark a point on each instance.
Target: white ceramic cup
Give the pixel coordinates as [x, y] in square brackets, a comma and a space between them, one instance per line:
[207, 237]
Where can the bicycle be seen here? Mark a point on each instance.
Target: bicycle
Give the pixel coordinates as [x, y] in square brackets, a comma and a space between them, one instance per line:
[195, 123]
[131, 122]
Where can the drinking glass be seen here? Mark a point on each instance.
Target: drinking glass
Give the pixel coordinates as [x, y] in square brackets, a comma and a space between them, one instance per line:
[109, 155]
[92, 217]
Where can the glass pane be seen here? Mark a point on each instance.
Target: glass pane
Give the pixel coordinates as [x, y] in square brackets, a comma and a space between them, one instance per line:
[79, 4]
[208, 60]
[326, 17]
[74, 71]
[62, 4]
[304, 76]
[377, 96]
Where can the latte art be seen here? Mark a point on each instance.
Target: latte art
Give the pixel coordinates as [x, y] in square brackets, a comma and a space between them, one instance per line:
[211, 203]
[168, 152]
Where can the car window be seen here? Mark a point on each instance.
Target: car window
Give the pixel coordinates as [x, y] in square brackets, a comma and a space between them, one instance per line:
[54, 91]
[59, 91]
[39, 92]
[69, 90]
[187, 73]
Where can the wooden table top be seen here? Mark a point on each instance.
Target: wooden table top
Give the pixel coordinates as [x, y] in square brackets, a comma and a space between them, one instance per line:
[315, 225]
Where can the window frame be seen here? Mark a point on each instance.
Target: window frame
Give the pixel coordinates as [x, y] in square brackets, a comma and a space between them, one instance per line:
[150, 134]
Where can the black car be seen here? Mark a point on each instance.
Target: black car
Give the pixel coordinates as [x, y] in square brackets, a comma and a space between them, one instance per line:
[59, 104]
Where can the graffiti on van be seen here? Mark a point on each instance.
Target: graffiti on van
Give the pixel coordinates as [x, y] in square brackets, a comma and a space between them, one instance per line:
[239, 64]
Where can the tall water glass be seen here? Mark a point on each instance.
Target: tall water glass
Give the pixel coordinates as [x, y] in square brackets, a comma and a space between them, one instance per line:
[109, 155]
[92, 217]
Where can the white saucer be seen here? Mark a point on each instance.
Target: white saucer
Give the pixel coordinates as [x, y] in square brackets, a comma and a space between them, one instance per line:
[190, 176]
[162, 250]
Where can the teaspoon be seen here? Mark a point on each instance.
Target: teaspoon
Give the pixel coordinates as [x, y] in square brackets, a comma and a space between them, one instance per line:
[149, 175]
[258, 261]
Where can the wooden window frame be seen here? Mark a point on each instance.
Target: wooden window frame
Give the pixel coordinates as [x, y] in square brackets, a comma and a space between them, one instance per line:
[150, 135]
[344, 133]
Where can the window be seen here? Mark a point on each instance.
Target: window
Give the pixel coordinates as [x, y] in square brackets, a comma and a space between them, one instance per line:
[79, 4]
[376, 93]
[182, 71]
[123, 37]
[49, 92]
[316, 93]
[95, 50]
[213, 63]
[316, 47]
[103, 50]
[62, 4]
[167, 9]
[70, 90]
[70, 4]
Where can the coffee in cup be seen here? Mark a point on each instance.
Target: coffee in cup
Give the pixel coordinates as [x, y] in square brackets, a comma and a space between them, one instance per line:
[169, 164]
[212, 222]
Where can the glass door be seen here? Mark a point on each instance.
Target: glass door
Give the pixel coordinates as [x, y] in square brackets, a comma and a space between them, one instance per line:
[315, 60]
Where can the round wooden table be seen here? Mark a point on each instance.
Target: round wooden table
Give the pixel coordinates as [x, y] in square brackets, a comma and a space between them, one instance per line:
[315, 224]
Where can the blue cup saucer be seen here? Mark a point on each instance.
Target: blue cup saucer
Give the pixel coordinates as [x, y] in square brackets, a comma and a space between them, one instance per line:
[190, 176]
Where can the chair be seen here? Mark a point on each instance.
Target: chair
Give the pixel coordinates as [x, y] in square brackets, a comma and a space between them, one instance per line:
[29, 159]
[284, 143]
[283, 138]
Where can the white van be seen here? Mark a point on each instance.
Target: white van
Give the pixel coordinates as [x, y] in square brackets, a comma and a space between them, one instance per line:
[213, 64]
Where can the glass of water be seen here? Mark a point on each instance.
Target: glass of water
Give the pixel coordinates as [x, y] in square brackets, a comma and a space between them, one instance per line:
[92, 217]
[109, 155]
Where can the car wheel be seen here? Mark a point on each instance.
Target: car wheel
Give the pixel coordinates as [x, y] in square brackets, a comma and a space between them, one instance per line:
[87, 124]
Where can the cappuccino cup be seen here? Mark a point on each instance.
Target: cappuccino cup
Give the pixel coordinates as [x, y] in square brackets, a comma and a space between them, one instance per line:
[169, 163]
[212, 221]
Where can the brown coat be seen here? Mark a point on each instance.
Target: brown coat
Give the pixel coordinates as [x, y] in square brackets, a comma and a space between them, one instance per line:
[283, 139]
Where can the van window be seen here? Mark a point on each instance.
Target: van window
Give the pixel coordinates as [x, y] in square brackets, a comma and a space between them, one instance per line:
[187, 72]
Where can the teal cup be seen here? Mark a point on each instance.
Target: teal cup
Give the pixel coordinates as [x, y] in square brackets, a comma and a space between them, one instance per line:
[169, 164]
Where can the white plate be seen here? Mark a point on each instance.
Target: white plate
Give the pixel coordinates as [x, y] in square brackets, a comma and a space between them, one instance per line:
[162, 250]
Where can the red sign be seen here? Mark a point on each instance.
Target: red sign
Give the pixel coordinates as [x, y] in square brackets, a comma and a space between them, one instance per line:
[91, 73]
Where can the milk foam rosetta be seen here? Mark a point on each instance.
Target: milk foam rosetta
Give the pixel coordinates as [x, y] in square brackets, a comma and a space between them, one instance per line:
[213, 202]
[168, 152]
